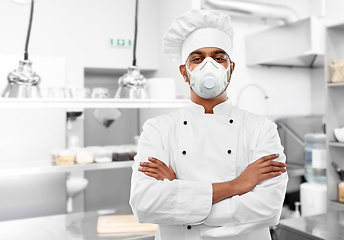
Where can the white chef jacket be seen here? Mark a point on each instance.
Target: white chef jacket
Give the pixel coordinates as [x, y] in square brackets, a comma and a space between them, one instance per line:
[205, 149]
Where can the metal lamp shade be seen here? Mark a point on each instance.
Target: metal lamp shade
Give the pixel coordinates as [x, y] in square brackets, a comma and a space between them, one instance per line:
[132, 85]
[23, 82]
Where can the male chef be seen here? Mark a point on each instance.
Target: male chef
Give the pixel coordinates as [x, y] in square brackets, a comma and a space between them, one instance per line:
[210, 170]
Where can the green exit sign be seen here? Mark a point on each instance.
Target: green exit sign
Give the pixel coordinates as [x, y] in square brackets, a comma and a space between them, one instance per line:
[120, 42]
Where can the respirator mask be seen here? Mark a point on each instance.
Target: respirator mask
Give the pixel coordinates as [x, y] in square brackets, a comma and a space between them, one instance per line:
[209, 79]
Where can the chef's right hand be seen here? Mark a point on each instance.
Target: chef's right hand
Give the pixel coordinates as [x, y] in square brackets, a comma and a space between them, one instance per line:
[258, 171]
[157, 169]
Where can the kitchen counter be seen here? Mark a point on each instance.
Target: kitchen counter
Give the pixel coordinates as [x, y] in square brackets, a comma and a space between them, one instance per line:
[329, 226]
[76, 226]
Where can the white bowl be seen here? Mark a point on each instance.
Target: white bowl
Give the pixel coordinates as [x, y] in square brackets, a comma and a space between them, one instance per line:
[339, 134]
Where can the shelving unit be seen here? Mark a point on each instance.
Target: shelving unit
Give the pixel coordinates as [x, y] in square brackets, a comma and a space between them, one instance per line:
[6, 103]
[335, 112]
[37, 167]
[34, 167]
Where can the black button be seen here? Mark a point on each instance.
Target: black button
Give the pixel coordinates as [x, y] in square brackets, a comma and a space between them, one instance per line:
[229, 151]
[188, 227]
[231, 121]
[184, 152]
[185, 122]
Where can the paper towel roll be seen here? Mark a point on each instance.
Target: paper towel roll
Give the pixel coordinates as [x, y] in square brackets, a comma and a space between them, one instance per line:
[161, 88]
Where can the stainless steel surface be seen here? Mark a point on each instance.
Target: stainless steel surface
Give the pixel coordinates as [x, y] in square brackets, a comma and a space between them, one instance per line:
[329, 226]
[6, 103]
[132, 85]
[78, 226]
[21, 168]
[23, 82]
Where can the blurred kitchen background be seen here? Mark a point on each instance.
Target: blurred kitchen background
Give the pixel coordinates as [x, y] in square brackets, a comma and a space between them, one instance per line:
[281, 51]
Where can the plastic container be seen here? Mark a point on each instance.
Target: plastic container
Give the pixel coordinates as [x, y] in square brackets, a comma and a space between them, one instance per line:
[84, 156]
[65, 157]
[124, 152]
[101, 154]
[315, 164]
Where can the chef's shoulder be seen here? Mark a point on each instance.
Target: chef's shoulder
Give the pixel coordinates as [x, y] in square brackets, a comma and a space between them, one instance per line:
[253, 122]
[163, 123]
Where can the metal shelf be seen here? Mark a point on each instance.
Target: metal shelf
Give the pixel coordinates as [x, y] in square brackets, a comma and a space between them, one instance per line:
[336, 144]
[335, 84]
[336, 204]
[6, 103]
[37, 167]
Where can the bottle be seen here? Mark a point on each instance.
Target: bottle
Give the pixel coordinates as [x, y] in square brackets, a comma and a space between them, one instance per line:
[341, 192]
[315, 164]
[296, 213]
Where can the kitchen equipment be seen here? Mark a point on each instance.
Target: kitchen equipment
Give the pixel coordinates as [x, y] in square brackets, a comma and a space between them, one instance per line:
[107, 116]
[23, 82]
[132, 84]
[267, 47]
[315, 164]
[80, 93]
[100, 93]
[313, 198]
[57, 92]
[124, 225]
[341, 192]
[74, 186]
[339, 134]
[339, 171]
[296, 213]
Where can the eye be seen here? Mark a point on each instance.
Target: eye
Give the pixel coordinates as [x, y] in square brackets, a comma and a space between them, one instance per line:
[219, 59]
[196, 60]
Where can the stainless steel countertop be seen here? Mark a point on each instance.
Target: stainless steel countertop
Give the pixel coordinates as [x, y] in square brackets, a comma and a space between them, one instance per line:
[329, 226]
[76, 226]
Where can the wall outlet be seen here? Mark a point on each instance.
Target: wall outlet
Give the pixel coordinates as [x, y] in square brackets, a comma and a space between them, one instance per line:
[120, 42]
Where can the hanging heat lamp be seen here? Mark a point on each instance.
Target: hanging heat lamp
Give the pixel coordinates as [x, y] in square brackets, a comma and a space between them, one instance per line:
[23, 82]
[133, 83]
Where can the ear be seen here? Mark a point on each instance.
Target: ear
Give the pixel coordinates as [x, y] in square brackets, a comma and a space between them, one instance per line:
[182, 70]
[232, 66]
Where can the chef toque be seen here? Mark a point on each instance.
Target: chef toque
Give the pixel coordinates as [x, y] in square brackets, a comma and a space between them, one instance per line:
[198, 29]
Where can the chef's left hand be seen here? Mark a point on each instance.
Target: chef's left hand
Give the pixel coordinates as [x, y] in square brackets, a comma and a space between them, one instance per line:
[157, 169]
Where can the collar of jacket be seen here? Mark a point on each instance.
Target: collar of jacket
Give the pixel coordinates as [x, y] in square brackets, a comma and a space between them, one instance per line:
[224, 108]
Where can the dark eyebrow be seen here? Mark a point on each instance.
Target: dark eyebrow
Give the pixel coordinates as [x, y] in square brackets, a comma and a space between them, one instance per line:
[196, 52]
[219, 51]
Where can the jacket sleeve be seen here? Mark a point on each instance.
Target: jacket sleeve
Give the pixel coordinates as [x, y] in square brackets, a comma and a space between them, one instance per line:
[262, 206]
[174, 202]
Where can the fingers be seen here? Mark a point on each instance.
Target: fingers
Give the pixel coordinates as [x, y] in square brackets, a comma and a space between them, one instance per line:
[268, 157]
[273, 169]
[270, 175]
[146, 169]
[170, 167]
[154, 175]
[272, 163]
[149, 165]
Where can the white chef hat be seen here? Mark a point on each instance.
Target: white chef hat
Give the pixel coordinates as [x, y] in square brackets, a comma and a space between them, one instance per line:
[197, 29]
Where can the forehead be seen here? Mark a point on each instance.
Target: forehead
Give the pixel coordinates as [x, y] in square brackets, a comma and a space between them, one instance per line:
[208, 51]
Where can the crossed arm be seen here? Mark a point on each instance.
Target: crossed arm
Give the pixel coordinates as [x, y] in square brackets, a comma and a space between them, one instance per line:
[256, 172]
